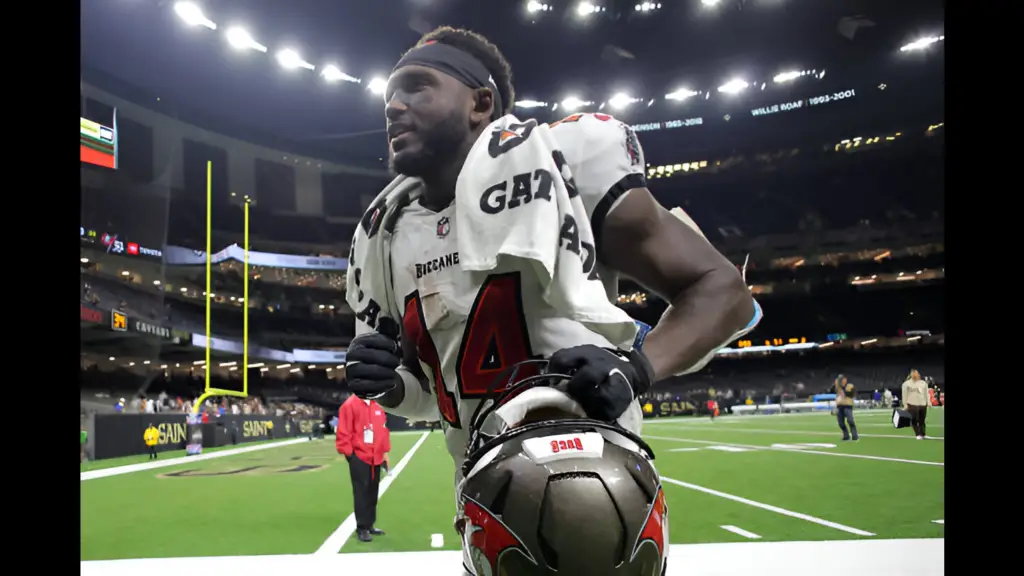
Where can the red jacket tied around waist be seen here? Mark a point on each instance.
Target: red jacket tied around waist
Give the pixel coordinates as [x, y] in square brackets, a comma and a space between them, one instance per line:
[356, 418]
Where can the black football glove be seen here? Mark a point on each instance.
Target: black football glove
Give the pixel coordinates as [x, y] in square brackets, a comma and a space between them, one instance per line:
[370, 364]
[603, 381]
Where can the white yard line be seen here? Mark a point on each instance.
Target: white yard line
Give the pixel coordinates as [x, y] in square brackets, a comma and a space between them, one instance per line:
[908, 436]
[741, 532]
[735, 418]
[337, 539]
[943, 522]
[889, 425]
[768, 507]
[118, 470]
[797, 451]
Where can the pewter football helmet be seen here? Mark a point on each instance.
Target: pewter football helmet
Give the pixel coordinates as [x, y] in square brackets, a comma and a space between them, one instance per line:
[560, 496]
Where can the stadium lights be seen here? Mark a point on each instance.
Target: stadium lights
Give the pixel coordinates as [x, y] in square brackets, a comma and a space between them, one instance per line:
[681, 94]
[710, 3]
[921, 43]
[584, 9]
[332, 73]
[83, 260]
[534, 7]
[734, 86]
[573, 103]
[531, 104]
[647, 7]
[621, 100]
[290, 59]
[787, 76]
[193, 15]
[377, 86]
[242, 40]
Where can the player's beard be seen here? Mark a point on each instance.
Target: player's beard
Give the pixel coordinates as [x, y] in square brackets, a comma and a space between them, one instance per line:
[437, 146]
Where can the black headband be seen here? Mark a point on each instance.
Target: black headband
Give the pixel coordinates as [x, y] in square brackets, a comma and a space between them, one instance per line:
[456, 63]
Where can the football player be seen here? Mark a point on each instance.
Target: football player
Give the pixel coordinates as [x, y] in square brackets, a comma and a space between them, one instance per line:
[461, 328]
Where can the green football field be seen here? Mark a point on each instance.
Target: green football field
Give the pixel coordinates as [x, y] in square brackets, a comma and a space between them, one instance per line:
[738, 479]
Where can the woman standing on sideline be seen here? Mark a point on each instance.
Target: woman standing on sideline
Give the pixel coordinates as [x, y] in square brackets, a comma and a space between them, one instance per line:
[915, 401]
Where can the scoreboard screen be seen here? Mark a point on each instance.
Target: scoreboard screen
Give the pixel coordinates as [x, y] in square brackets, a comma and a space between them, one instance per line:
[98, 140]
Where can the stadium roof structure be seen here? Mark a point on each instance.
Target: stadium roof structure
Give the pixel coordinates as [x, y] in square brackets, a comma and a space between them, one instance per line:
[554, 52]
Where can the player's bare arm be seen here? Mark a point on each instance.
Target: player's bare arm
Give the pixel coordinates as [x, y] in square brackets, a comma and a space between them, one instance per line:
[709, 301]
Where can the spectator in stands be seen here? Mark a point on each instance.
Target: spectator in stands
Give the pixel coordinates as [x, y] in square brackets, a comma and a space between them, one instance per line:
[844, 407]
[362, 437]
[915, 401]
[151, 437]
[936, 396]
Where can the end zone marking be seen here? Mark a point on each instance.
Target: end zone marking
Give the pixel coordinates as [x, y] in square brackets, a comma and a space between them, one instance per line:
[741, 532]
[337, 539]
[769, 507]
[118, 470]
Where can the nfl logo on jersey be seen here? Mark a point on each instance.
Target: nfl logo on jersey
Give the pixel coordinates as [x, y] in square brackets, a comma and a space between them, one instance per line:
[444, 226]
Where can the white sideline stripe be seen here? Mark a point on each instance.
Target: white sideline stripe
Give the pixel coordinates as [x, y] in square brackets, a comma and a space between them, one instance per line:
[808, 432]
[800, 451]
[943, 522]
[684, 449]
[741, 532]
[337, 539]
[889, 425]
[877, 557]
[118, 470]
[768, 507]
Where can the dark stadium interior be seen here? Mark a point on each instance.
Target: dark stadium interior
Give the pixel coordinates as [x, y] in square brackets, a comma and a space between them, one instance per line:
[234, 159]
[834, 212]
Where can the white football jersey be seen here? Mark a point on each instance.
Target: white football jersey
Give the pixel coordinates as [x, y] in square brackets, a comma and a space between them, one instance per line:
[469, 326]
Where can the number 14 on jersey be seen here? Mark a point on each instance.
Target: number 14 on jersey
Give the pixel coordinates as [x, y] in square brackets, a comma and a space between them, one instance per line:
[495, 338]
